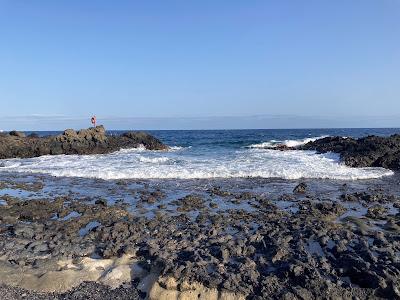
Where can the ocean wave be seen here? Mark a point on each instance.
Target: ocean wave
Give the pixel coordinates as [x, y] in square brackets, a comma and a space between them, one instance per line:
[288, 143]
[255, 162]
[10, 164]
[142, 148]
[154, 160]
[178, 148]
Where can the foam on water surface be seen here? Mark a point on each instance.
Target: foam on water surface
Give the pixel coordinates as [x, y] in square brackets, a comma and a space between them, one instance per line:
[191, 163]
[288, 143]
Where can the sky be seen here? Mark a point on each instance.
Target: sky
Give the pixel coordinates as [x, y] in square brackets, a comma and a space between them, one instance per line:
[199, 64]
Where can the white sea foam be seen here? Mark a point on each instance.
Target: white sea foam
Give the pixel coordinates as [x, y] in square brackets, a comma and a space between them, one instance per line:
[186, 164]
[153, 160]
[178, 148]
[140, 148]
[288, 143]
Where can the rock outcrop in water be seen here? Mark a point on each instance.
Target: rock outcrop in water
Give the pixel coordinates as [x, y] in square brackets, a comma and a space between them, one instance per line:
[370, 151]
[85, 141]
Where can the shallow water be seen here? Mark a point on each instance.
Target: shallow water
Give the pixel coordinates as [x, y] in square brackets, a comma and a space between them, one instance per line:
[133, 192]
[91, 225]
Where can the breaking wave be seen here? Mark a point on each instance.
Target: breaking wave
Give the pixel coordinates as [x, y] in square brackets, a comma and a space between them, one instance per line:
[191, 163]
[288, 143]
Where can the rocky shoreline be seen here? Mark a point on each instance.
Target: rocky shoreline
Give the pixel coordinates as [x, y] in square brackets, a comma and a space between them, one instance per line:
[370, 151]
[85, 141]
[317, 240]
[77, 238]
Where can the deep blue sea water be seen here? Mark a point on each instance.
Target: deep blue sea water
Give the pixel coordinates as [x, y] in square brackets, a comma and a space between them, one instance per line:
[211, 154]
[239, 138]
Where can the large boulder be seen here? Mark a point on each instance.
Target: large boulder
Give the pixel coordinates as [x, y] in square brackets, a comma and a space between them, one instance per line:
[17, 134]
[147, 140]
[69, 133]
[97, 134]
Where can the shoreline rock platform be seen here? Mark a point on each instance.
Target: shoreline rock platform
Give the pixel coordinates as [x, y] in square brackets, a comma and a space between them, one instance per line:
[85, 141]
[228, 242]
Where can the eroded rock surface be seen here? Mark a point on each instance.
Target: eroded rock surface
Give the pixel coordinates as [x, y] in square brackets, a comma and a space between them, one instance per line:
[85, 141]
[247, 247]
[370, 151]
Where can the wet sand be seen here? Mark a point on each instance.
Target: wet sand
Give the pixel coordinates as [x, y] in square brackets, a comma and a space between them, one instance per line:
[67, 238]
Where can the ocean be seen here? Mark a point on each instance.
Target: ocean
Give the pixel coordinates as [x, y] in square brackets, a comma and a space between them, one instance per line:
[207, 154]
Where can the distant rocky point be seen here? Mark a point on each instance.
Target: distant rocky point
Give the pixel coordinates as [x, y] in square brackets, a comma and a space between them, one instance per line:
[85, 141]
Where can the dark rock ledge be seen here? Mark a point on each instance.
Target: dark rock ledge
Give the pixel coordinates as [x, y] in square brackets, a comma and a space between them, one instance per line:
[85, 141]
[370, 151]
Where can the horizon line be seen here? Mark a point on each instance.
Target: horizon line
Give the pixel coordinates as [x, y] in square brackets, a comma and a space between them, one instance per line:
[216, 129]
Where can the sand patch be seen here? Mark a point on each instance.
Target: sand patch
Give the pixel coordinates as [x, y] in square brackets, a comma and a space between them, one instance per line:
[167, 288]
[65, 275]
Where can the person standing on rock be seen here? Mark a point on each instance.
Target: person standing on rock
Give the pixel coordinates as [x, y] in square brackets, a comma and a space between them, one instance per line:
[93, 120]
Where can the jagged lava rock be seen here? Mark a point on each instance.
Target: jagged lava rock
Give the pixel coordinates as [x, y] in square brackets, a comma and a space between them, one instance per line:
[370, 151]
[85, 141]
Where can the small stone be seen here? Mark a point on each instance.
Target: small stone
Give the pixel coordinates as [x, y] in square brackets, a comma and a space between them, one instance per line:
[41, 248]
[300, 188]
[377, 212]
[24, 231]
[102, 202]
[213, 205]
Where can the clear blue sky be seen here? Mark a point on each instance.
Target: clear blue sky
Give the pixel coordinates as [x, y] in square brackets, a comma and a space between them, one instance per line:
[331, 60]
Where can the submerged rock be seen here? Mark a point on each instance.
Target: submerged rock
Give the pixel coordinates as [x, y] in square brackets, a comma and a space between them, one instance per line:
[377, 212]
[85, 141]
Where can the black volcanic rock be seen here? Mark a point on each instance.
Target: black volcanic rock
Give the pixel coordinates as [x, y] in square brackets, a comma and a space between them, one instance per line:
[17, 133]
[300, 188]
[370, 151]
[85, 141]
